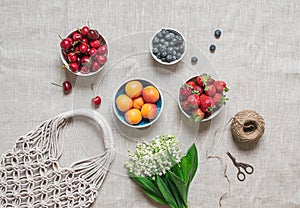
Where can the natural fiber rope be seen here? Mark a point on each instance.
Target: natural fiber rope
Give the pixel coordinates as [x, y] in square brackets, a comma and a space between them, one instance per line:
[247, 126]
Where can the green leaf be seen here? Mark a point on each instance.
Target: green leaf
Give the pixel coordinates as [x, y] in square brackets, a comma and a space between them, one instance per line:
[169, 182]
[177, 170]
[181, 187]
[193, 156]
[150, 188]
[189, 164]
[165, 192]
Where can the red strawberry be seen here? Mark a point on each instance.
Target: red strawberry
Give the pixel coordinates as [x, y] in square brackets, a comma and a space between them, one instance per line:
[185, 91]
[197, 90]
[193, 101]
[211, 81]
[185, 106]
[192, 84]
[198, 115]
[220, 86]
[219, 100]
[206, 103]
[202, 80]
[210, 90]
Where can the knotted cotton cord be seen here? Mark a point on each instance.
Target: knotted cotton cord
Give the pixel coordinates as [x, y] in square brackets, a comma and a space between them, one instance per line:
[30, 175]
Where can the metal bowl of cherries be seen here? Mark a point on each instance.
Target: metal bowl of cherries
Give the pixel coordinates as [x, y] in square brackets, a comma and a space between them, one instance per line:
[168, 46]
[84, 51]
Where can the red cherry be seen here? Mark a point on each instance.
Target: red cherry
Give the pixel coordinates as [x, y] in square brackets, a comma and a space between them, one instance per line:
[93, 35]
[92, 51]
[76, 49]
[67, 86]
[101, 59]
[76, 36]
[85, 70]
[84, 40]
[102, 50]
[96, 101]
[71, 40]
[95, 44]
[83, 48]
[72, 57]
[85, 59]
[85, 31]
[95, 66]
[74, 66]
[65, 44]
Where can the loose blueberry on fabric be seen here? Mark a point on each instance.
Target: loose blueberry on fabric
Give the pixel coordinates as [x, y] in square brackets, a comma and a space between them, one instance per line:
[218, 33]
[194, 60]
[167, 46]
[212, 48]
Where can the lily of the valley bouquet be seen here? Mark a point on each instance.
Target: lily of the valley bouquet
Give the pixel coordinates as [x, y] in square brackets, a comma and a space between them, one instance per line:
[158, 168]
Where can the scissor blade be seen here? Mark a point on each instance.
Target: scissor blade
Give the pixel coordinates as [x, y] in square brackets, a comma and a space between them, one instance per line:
[231, 157]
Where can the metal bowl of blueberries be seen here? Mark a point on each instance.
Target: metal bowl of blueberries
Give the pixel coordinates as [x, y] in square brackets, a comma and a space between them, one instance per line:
[168, 46]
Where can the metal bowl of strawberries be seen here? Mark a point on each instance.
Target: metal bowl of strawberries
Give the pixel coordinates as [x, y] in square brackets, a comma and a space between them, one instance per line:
[201, 97]
[84, 51]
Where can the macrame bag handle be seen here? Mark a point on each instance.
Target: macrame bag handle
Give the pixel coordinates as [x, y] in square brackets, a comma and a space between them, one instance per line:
[99, 119]
[94, 169]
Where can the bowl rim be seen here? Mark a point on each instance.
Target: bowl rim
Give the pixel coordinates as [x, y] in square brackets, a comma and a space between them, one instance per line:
[213, 115]
[116, 110]
[81, 74]
[182, 55]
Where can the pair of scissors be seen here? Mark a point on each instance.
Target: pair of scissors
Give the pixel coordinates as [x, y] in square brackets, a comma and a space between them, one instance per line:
[247, 168]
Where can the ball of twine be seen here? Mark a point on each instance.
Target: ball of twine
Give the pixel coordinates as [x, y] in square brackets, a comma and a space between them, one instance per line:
[247, 126]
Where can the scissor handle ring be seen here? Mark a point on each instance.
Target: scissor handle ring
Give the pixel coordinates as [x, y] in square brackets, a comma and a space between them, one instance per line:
[241, 176]
[247, 167]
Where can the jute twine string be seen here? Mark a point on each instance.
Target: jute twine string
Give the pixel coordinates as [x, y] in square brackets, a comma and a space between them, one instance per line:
[247, 126]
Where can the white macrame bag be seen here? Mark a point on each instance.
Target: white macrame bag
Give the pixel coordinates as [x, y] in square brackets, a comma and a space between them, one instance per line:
[30, 175]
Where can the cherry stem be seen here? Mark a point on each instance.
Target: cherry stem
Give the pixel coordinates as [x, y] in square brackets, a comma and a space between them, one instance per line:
[56, 84]
[60, 36]
[88, 23]
[63, 67]
[92, 88]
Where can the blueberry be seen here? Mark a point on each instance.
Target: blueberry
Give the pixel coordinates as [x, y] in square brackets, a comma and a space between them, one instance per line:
[168, 37]
[163, 32]
[170, 50]
[174, 40]
[172, 43]
[174, 53]
[194, 60]
[159, 35]
[158, 55]
[162, 41]
[178, 55]
[179, 39]
[176, 48]
[155, 50]
[212, 48]
[163, 59]
[181, 48]
[166, 44]
[174, 58]
[162, 49]
[172, 35]
[218, 33]
[155, 41]
[164, 54]
[169, 58]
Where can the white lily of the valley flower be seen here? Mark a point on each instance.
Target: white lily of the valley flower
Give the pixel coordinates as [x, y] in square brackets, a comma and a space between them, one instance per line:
[155, 157]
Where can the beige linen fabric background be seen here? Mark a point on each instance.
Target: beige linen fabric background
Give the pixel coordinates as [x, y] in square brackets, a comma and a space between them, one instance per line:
[257, 55]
